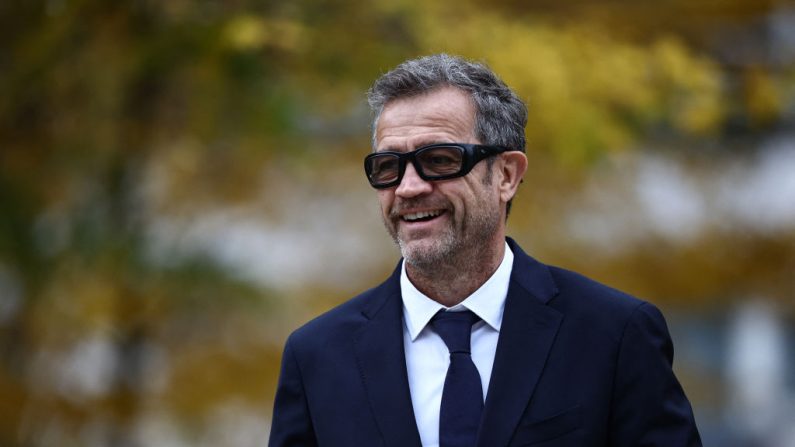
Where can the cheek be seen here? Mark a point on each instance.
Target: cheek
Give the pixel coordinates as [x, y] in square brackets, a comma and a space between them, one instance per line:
[385, 199]
[475, 197]
[460, 199]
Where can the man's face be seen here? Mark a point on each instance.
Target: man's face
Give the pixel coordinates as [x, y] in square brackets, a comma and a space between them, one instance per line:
[433, 221]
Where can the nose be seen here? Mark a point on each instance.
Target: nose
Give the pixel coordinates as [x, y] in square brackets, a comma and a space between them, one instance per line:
[412, 185]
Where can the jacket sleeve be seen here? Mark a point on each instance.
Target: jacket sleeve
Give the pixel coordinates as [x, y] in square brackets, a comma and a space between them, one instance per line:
[649, 407]
[292, 423]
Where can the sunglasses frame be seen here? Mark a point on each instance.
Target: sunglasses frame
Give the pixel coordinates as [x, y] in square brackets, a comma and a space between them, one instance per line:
[472, 154]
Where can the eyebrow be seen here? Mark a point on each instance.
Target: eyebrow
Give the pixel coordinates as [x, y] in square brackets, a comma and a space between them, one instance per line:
[422, 144]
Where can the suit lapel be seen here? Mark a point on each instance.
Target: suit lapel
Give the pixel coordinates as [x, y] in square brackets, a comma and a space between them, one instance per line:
[528, 330]
[382, 363]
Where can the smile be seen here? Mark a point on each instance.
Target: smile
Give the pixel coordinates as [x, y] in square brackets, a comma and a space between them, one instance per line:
[421, 216]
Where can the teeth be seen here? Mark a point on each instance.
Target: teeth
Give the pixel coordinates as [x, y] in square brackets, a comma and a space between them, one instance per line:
[421, 215]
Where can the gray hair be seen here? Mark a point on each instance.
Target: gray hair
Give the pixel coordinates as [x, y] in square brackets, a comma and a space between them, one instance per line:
[500, 116]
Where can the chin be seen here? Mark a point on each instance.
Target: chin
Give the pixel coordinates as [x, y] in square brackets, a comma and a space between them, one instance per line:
[426, 253]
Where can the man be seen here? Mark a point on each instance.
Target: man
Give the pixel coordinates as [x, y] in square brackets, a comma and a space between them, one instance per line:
[471, 341]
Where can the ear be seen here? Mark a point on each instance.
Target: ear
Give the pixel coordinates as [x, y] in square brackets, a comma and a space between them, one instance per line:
[514, 165]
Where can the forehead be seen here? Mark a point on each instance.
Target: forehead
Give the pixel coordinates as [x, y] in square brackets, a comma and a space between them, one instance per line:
[443, 115]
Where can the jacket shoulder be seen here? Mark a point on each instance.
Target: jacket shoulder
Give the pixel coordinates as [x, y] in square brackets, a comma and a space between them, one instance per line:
[346, 318]
[591, 292]
[592, 304]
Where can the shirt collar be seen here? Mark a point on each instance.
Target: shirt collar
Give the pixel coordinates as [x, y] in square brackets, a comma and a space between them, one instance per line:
[488, 302]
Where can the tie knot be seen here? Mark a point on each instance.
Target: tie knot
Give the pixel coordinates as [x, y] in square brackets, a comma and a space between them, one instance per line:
[455, 328]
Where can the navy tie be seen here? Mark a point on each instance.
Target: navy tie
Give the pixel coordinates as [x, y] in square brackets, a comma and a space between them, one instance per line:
[462, 397]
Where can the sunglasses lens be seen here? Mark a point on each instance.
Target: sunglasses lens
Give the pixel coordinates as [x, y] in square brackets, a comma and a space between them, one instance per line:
[432, 163]
[441, 161]
[382, 168]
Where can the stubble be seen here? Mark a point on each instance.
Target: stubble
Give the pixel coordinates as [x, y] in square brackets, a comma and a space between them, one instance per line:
[457, 246]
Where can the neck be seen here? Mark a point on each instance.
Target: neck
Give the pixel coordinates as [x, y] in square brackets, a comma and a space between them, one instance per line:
[449, 283]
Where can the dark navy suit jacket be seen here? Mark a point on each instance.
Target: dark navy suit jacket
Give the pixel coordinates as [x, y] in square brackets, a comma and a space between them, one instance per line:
[577, 364]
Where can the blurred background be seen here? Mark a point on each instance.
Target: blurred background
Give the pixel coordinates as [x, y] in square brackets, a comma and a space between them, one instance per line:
[181, 186]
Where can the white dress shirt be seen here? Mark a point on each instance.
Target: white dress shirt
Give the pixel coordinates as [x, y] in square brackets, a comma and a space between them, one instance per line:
[427, 357]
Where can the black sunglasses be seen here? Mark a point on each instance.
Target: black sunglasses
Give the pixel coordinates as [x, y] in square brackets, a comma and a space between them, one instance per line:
[433, 162]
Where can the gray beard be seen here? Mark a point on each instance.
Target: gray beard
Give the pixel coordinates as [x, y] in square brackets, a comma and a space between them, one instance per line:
[425, 258]
[456, 248]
